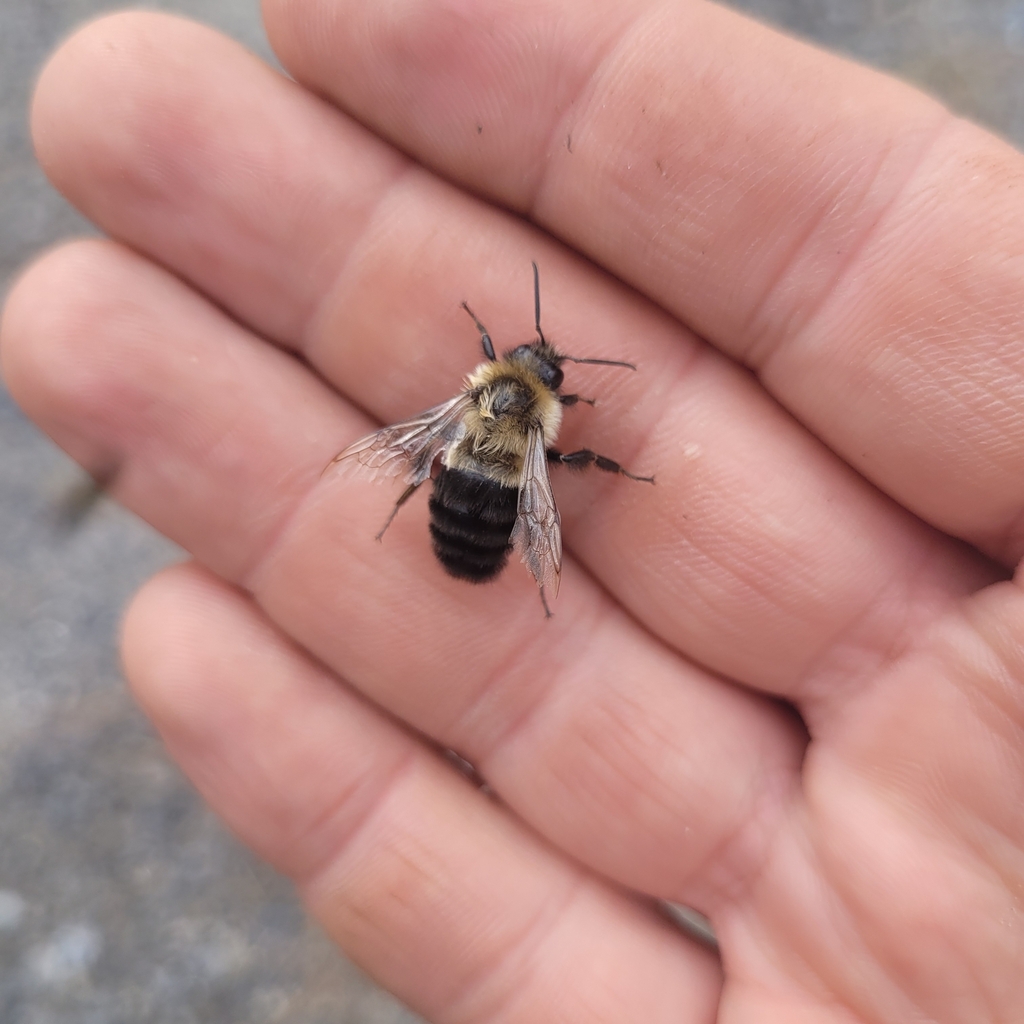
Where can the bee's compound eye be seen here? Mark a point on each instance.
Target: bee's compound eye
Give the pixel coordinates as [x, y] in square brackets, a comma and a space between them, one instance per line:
[551, 375]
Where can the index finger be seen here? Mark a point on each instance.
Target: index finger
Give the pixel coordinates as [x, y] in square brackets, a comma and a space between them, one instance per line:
[835, 229]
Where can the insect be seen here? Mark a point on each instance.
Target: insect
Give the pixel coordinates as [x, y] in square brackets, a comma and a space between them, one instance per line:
[494, 440]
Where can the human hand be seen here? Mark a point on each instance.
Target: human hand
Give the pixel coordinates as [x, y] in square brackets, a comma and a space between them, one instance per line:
[834, 231]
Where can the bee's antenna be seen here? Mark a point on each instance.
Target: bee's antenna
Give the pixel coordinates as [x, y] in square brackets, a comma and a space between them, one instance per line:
[485, 338]
[599, 362]
[540, 333]
[536, 303]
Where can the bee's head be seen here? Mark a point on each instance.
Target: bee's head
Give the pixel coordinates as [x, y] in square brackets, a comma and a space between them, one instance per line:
[543, 360]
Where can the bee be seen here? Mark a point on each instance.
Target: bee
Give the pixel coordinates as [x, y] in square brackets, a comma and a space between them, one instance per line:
[494, 441]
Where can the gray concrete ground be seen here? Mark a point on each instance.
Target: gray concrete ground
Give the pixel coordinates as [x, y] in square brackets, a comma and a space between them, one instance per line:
[122, 901]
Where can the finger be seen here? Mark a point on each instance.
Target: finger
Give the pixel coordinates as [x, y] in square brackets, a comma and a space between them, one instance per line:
[912, 826]
[178, 141]
[831, 227]
[76, 348]
[646, 769]
[431, 888]
[755, 554]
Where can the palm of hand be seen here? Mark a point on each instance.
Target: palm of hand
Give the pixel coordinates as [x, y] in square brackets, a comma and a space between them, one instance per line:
[873, 872]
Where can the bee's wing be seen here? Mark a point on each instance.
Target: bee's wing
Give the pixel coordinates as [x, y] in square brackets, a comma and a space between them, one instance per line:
[410, 447]
[537, 535]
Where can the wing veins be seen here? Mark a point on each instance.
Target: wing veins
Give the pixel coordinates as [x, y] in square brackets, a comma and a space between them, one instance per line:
[537, 533]
[411, 445]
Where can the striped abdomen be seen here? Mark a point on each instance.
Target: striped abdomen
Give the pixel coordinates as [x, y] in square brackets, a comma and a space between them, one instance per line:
[471, 520]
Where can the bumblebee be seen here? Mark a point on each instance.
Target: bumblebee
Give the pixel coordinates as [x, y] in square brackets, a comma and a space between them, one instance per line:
[494, 440]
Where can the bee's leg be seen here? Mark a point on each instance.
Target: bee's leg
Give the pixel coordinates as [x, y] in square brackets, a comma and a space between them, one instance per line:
[485, 338]
[406, 495]
[585, 458]
[568, 400]
[544, 601]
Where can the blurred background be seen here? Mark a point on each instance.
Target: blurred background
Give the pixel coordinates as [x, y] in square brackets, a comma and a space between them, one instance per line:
[122, 901]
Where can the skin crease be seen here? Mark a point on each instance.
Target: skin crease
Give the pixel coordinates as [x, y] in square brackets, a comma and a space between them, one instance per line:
[821, 532]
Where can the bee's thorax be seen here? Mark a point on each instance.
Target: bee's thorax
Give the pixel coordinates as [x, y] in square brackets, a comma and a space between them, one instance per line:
[511, 401]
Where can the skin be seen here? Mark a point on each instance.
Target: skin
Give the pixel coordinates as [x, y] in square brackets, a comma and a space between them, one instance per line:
[818, 273]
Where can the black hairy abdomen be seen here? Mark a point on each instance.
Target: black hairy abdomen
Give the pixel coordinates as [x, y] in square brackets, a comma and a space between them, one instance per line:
[471, 520]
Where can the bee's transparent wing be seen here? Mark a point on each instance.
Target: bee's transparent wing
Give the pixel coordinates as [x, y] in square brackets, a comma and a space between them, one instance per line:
[410, 448]
[537, 535]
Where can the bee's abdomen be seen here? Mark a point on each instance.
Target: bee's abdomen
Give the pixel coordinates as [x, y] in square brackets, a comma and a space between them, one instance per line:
[471, 520]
